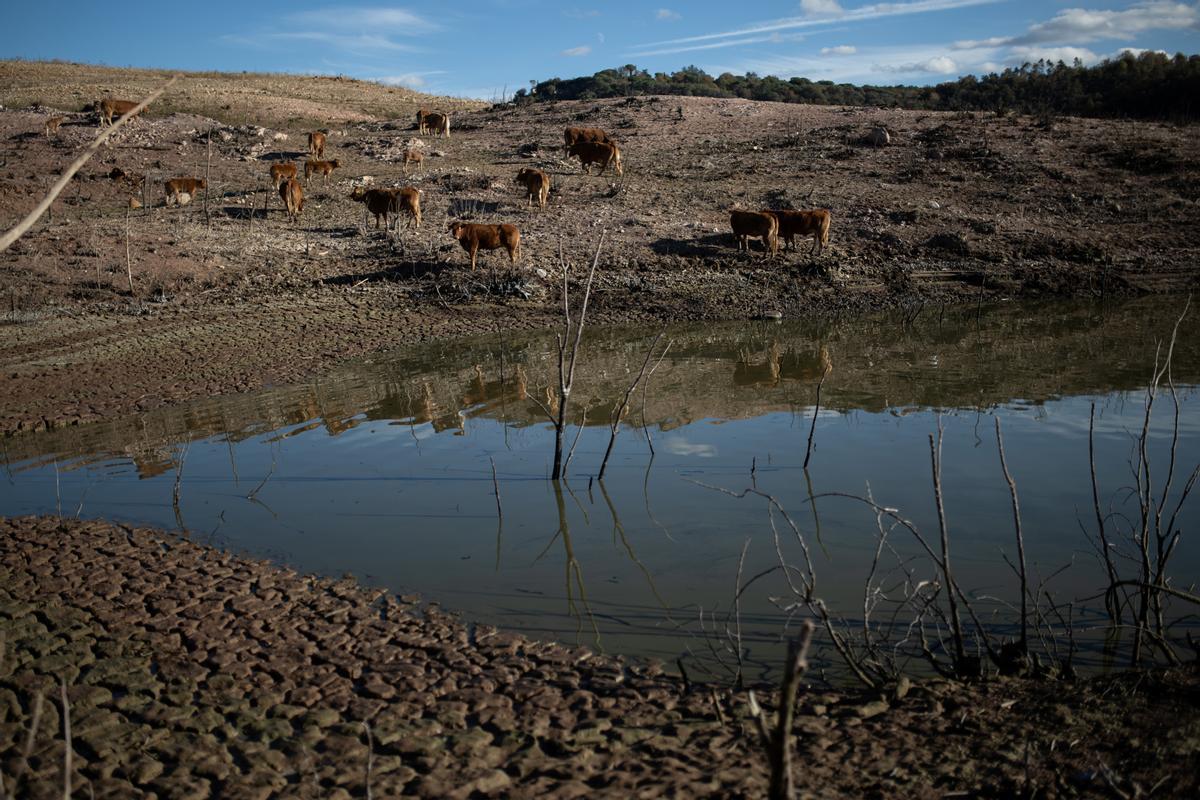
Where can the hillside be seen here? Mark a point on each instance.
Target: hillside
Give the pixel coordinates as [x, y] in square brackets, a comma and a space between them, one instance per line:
[957, 208]
[272, 100]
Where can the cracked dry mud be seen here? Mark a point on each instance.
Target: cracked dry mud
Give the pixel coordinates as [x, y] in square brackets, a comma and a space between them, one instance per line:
[193, 673]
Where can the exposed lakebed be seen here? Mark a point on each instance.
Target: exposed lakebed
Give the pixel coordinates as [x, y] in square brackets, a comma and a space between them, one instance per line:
[384, 468]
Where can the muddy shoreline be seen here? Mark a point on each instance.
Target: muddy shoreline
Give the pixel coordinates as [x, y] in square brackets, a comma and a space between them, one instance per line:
[194, 673]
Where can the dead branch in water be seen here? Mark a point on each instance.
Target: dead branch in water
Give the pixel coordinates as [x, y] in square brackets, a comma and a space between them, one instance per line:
[19, 230]
[619, 410]
[178, 486]
[935, 452]
[645, 390]
[1016, 508]
[566, 369]
[816, 413]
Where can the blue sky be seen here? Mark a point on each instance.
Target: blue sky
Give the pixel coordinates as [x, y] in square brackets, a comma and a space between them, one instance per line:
[479, 48]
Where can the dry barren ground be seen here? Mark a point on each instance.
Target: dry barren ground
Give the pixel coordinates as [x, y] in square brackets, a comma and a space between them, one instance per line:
[959, 206]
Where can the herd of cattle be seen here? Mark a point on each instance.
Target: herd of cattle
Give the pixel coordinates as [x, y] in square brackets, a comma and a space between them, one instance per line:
[589, 145]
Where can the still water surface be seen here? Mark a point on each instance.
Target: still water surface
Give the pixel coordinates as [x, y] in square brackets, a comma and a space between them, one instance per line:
[384, 468]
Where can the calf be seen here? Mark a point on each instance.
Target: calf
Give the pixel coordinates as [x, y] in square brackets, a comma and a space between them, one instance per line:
[804, 224]
[411, 156]
[475, 237]
[316, 144]
[536, 183]
[601, 153]
[421, 115]
[110, 108]
[293, 197]
[51, 126]
[575, 135]
[177, 188]
[382, 202]
[324, 168]
[281, 172]
[748, 224]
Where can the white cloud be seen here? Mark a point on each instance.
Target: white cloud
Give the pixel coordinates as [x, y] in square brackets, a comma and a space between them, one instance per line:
[821, 8]
[752, 34]
[582, 50]
[938, 65]
[376, 20]
[600, 38]
[352, 44]
[352, 30]
[667, 15]
[1076, 26]
[411, 80]
[840, 50]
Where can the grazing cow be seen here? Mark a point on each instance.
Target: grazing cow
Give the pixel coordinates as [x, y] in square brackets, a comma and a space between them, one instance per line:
[382, 202]
[421, 115]
[601, 153]
[177, 188]
[438, 124]
[748, 224]
[536, 183]
[475, 237]
[411, 156]
[575, 135]
[293, 197]
[281, 172]
[110, 108]
[316, 144]
[52, 124]
[321, 167]
[803, 224]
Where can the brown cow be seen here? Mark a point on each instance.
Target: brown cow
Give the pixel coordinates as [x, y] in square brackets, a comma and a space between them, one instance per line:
[110, 108]
[475, 237]
[804, 224]
[293, 197]
[600, 153]
[575, 135]
[411, 156]
[382, 202]
[176, 188]
[421, 115]
[51, 126]
[748, 224]
[438, 124]
[316, 144]
[321, 167]
[281, 172]
[536, 183]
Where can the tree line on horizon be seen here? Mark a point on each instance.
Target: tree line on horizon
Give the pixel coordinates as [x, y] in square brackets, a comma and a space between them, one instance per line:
[1148, 85]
